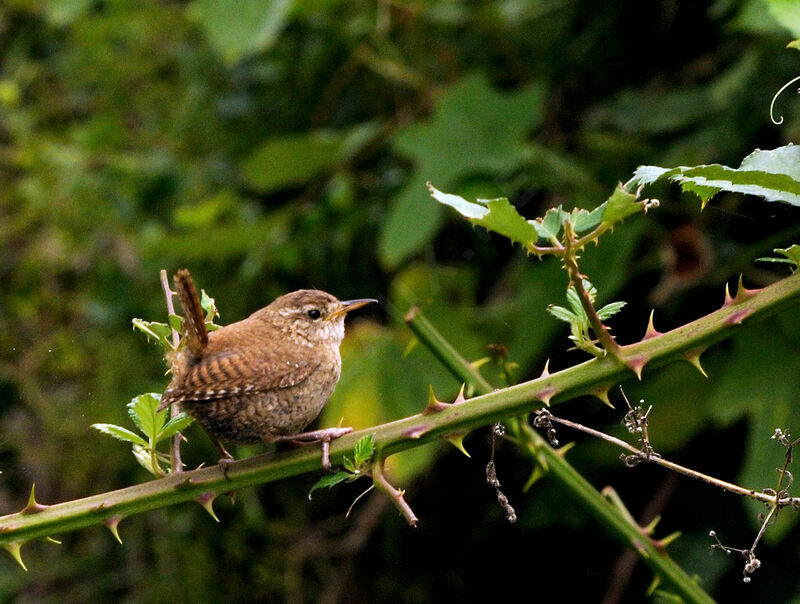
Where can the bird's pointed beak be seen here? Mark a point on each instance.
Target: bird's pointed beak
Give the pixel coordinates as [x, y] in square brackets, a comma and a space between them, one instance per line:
[348, 305]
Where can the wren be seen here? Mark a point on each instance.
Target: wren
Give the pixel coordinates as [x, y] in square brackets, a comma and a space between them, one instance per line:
[262, 379]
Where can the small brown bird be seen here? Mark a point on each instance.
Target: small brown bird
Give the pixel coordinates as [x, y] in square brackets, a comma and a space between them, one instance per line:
[265, 378]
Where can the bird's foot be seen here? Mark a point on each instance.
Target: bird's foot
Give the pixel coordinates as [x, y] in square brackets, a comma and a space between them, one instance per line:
[226, 460]
[324, 436]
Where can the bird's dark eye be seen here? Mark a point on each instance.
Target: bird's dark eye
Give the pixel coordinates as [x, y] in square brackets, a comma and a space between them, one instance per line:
[314, 313]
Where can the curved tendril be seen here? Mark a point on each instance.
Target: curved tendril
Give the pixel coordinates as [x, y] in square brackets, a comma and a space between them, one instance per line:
[779, 121]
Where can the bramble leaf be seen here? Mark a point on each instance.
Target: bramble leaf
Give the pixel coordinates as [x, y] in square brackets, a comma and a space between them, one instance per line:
[152, 329]
[330, 481]
[773, 175]
[791, 255]
[142, 410]
[120, 433]
[619, 206]
[496, 215]
[362, 452]
[173, 426]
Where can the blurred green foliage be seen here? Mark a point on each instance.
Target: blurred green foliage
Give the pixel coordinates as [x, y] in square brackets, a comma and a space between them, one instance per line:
[271, 145]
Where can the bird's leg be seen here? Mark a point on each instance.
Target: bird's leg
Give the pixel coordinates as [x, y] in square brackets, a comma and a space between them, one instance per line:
[324, 436]
[226, 459]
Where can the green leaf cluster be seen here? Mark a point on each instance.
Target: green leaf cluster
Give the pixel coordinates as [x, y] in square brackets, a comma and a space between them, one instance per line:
[545, 234]
[354, 468]
[155, 426]
[577, 319]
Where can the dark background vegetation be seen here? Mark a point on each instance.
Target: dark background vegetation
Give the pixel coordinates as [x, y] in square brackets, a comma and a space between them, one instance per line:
[274, 145]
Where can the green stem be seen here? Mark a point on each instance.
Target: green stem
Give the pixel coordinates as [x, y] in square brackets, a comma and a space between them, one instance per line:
[444, 351]
[416, 430]
[608, 343]
[622, 529]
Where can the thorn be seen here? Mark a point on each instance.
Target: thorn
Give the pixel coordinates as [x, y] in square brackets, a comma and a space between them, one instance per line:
[460, 398]
[650, 528]
[694, 358]
[112, 524]
[562, 451]
[728, 300]
[434, 405]
[14, 548]
[651, 331]
[32, 506]
[742, 293]
[545, 395]
[51, 540]
[535, 476]
[546, 370]
[207, 501]
[636, 364]
[663, 543]
[602, 394]
[457, 440]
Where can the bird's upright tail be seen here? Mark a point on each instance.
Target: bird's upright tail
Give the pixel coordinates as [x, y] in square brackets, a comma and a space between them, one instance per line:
[195, 334]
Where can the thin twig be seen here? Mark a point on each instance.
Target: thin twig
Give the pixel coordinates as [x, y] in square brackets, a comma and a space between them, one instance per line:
[544, 416]
[175, 463]
[494, 482]
[395, 495]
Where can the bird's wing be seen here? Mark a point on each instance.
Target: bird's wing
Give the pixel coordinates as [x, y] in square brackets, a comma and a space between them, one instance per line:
[233, 373]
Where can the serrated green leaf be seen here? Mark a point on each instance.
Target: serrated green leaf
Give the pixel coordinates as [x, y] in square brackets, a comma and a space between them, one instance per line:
[142, 410]
[791, 256]
[773, 175]
[158, 331]
[609, 310]
[549, 226]
[559, 312]
[584, 220]
[497, 215]
[174, 425]
[330, 480]
[619, 206]
[363, 450]
[120, 433]
[575, 302]
[348, 465]
[175, 322]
